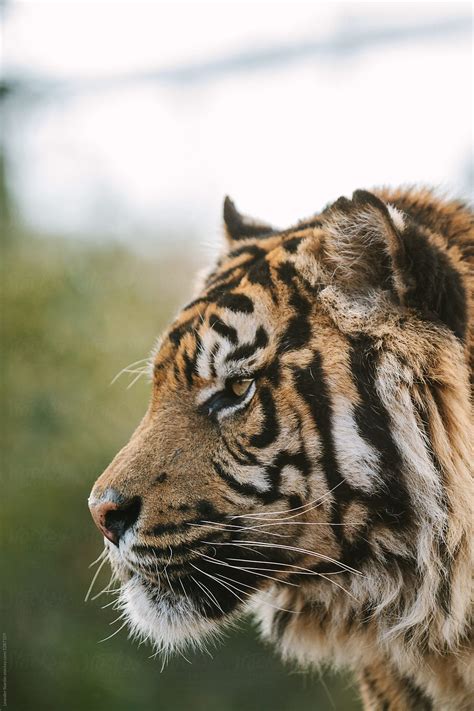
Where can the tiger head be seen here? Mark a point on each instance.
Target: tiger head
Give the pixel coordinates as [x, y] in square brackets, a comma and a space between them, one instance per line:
[296, 454]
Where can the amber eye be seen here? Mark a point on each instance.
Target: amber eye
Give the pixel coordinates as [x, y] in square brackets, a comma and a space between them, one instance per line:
[241, 386]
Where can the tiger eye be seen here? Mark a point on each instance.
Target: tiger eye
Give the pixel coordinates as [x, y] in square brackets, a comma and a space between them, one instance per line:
[240, 387]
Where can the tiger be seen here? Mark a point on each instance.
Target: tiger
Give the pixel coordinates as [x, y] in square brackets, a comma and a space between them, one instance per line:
[305, 456]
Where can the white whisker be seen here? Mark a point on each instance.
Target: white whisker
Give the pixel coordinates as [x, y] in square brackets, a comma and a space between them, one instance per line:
[244, 569]
[221, 583]
[208, 593]
[127, 367]
[297, 508]
[103, 553]
[301, 570]
[113, 633]
[322, 556]
[108, 604]
[232, 528]
[184, 590]
[263, 544]
[137, 377]
[96, 575]
[165, 573]
[108, 591]
[251, 587]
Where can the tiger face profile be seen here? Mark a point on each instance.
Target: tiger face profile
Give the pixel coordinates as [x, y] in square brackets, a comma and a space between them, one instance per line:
[306, 451]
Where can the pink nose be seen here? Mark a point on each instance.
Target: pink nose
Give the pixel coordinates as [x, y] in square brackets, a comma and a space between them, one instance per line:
[112, 518]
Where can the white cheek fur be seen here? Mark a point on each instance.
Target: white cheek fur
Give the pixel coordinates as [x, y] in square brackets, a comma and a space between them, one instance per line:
[169, 623]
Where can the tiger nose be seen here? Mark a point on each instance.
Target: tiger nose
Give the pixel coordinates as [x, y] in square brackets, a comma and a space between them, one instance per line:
[114, 515]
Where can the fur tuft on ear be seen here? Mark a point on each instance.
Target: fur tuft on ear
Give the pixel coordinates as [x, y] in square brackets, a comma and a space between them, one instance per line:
[369, 244]
[363, 245]
[238, 227]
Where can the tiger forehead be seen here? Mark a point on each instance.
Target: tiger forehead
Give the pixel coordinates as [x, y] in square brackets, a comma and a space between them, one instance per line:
[228, 338]
[233, 344]
[242, 304]
[255, 254]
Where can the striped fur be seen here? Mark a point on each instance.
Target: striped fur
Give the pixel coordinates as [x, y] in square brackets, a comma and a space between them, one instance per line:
[333, 497]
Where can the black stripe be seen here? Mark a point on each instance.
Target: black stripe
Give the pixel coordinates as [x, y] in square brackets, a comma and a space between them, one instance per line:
[236, 302]
[436, 288]
[274, 471]
[189, 362]
[244, 489]
[162, 553]
[259, 273]
[243, 457]
[248, 350]
[159, 478]
[252, 249]
[289, 275]
[222, 287]
[311, 384]
[280, 622]
[189, 368]
[177, 333]
[270, 428]
[417, 697]
[212, 358]
[252, 459]
[287, 272]
[216, 291]
[206, 512]
[298, 331]
[162, 529]
[223, 329]
[254, 253]
[373, 423]
[292, 244]
[272, 372]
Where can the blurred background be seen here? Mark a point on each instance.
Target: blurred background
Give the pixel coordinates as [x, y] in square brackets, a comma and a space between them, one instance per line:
[123, 126]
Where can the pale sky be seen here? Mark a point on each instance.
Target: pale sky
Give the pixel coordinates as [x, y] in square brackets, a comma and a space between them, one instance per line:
[141, 158]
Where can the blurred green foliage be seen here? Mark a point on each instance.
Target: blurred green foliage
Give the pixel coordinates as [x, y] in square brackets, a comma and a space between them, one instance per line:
[73, 315]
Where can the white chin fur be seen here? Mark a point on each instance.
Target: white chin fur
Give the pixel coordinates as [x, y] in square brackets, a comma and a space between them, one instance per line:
[170, 623]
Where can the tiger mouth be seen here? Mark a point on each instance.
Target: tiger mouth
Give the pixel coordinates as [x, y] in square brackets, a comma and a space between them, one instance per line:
[214, 595]
[203, 588]
[176, 597]
[178, 609]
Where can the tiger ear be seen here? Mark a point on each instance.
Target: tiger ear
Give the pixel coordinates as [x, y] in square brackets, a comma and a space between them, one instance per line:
[239, 227]
[363, 247]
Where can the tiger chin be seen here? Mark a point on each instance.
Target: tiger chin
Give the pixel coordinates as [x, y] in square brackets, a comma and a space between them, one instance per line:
[306, 453]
